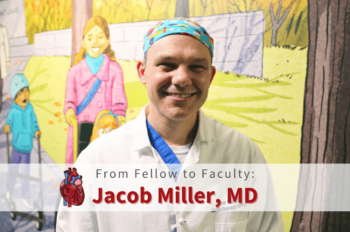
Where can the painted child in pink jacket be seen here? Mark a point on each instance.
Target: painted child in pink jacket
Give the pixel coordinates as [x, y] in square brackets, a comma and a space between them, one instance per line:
[94, 83]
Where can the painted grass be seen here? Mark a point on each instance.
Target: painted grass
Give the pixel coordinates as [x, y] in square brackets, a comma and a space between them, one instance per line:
[268, 110]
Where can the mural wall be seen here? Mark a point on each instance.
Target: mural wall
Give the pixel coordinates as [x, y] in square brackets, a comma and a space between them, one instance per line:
[261, 54]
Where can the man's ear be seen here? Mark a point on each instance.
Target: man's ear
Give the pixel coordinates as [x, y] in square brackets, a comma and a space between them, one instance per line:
[213, 71]
[141, 71]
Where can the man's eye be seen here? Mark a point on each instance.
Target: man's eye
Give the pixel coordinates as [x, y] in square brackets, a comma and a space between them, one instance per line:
[197, 67]
[167, 66]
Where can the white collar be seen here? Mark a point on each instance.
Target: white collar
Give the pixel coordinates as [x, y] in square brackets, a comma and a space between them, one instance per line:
[205, 130]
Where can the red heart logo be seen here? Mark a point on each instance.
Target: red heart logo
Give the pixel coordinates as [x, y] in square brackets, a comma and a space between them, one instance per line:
[73, 193]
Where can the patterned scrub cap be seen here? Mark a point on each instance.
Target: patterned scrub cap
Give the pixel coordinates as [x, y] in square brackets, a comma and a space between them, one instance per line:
[178, 26]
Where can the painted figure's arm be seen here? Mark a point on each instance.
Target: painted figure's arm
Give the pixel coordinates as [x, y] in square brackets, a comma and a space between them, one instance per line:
[9, 123]
[35, 124]
[119, 103]
[70, 103]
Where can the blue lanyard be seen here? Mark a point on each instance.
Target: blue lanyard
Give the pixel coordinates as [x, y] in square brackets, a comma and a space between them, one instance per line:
[164, 150]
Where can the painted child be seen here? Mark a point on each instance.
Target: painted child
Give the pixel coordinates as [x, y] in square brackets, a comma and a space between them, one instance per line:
[94, 83]
[22, 122]
[105, 122]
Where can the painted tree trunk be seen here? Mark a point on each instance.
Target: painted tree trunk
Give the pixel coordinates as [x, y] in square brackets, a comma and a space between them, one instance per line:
[326, 123]
[82, 11]
[274, 35]
[182, 8]
[277, 21]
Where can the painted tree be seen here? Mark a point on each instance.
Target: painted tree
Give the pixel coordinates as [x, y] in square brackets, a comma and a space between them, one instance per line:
[47, 15]
[82, 11]
[205, 4]
[326, 123]
[277, 21]
[182, 8]
[241, 6]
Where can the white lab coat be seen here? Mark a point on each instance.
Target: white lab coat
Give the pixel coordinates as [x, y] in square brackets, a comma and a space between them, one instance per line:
[4, 51]
[215, 143]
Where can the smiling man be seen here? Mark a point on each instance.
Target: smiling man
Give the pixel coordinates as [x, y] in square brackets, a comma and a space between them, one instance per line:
[177, 81]
[172, 129]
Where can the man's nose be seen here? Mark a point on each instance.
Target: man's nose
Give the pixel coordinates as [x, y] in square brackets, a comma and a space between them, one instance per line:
[182, 77]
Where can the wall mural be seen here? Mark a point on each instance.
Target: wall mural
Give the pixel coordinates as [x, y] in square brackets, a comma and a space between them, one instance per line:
[261, 54]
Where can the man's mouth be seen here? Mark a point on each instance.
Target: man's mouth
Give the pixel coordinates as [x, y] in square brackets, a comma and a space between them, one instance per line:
[179, 95]
[95, 49]
[25, 100]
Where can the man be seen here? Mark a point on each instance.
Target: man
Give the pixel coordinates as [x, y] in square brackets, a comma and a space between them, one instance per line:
[178, 71]
[5, 62]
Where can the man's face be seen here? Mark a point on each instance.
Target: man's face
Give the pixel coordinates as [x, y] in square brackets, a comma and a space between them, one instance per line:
[22, 97]
[178, 74]
[95, 42]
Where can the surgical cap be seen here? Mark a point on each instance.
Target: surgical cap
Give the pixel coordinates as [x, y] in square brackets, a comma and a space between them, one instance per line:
[180, 26]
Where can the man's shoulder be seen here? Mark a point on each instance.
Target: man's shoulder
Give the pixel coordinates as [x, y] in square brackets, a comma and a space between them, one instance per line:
[227, 134]
[118, 135]
[230, 145]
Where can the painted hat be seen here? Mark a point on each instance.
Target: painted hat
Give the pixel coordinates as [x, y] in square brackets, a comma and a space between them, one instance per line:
[19, 81]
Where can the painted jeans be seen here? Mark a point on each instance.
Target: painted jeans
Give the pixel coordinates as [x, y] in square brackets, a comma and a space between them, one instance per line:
[17, 158]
